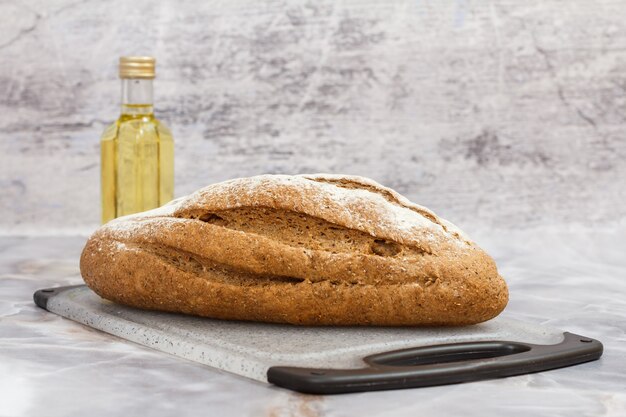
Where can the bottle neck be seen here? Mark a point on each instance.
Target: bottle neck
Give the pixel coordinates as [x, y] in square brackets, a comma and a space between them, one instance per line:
[137, 96]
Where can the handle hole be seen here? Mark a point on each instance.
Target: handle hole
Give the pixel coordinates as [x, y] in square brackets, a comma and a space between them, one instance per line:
[47, 290]
[448, 353]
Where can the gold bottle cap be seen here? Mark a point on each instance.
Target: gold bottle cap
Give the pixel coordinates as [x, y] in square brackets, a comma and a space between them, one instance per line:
[137, 67]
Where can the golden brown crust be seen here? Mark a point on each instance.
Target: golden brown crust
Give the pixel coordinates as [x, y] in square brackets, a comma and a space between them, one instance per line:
[315, 250]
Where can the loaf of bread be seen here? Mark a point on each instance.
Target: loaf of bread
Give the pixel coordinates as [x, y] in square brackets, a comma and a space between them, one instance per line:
[306, 249]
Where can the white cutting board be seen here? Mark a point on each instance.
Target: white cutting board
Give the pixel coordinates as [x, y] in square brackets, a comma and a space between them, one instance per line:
[250, 349]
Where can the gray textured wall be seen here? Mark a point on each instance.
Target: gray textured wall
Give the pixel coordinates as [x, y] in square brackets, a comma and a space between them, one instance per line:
[502, 113]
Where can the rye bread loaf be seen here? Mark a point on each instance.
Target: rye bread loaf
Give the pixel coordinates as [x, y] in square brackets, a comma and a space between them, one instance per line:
[306, 249]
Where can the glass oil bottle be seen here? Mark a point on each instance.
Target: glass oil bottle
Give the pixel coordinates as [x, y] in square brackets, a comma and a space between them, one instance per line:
[137, 151]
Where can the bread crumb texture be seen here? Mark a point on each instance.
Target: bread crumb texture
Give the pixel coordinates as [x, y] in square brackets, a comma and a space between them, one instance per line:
[307, 249]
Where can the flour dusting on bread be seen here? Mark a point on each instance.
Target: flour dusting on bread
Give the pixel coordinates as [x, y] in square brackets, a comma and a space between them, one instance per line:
[321, 195]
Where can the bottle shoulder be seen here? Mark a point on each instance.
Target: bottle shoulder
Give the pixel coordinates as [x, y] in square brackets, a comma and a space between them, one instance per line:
[162, 125]
[132, 127]
[164, 132]
[110, 132]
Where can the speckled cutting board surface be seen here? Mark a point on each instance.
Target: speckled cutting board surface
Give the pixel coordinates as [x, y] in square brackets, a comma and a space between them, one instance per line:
[250, 349]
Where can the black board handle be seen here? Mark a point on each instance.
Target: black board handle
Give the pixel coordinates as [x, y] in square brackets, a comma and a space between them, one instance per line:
[426, 366]
[41, 297]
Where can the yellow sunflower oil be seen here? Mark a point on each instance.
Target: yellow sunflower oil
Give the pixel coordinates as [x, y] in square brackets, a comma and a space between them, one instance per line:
[137, 151]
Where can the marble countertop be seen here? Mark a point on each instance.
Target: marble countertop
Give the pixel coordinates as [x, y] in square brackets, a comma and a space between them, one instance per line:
[573, 280]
